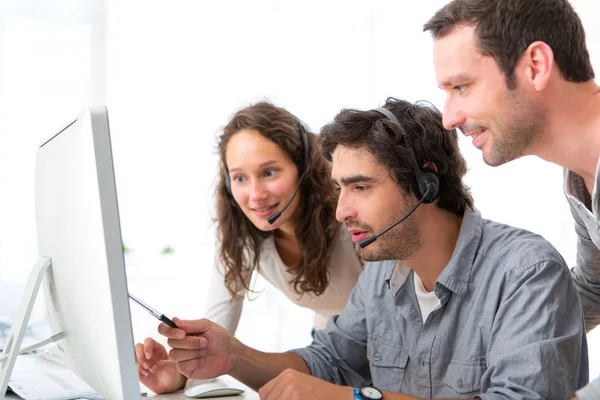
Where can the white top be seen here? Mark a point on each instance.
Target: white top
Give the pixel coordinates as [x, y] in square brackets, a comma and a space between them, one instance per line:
[428, 301]
[344, 269]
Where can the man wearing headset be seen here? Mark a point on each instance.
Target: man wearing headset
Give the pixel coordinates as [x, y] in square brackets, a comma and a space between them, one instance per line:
[519, 81]
[450, 306]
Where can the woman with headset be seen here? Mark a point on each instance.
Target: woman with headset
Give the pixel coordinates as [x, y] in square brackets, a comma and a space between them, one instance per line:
[276, 217]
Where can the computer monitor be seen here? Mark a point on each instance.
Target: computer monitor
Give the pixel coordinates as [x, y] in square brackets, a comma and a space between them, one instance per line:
[78, 229]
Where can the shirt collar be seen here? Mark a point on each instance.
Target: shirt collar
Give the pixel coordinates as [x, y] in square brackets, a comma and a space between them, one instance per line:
[574, 187]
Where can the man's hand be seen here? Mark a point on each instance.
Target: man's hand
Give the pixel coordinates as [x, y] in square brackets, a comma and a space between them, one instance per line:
[155, 370]
[294, 385]
[201, 348]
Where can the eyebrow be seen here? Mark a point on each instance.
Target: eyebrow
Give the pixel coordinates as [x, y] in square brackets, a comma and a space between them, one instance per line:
[354, 179]
[454, 80]
[262, 165]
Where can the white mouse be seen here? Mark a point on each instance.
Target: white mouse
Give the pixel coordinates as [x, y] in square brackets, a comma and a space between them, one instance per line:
[207, 390]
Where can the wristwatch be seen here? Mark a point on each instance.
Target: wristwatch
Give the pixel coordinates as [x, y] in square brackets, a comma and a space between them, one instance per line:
[367, 393]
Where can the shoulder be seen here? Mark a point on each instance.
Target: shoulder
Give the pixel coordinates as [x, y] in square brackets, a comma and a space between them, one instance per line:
[514, 250]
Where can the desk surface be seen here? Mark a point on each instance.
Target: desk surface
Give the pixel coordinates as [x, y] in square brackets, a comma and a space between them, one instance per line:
[30, 364]
[249, 394]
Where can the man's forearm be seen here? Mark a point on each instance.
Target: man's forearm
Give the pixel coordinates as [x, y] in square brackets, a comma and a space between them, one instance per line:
[255, 368]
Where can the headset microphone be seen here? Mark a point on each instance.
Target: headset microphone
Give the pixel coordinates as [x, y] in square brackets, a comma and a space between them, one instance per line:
[365, 242]
[274, 217]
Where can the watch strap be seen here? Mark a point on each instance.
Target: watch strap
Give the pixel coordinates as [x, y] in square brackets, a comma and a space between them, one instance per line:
[357, 395]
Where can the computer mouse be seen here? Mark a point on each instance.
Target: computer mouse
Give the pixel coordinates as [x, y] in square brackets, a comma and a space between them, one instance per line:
[207, 390]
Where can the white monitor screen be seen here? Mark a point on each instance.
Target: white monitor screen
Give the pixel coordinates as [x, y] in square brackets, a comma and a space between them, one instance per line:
[78, 229]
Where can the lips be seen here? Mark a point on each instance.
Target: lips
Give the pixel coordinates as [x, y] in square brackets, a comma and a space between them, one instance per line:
[477, 136]
[478, 139]
[358, 235]
[264, 211]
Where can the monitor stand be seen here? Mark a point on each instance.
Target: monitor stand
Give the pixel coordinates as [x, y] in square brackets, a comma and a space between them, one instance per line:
[8, 357]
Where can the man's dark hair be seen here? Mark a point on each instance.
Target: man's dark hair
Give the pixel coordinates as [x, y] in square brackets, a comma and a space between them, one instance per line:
[384, 139]
[505, 28]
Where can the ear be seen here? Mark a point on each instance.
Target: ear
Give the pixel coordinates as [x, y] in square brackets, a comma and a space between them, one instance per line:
[538, 64]
[431, 166]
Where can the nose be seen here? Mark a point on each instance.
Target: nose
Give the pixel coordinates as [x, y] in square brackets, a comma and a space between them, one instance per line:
[258, 191]
[345, 211]
[453, 117]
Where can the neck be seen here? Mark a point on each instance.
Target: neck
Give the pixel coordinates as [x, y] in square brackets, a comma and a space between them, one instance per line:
[287, 245]
[571, 132]
[286, 232]
[439, 230]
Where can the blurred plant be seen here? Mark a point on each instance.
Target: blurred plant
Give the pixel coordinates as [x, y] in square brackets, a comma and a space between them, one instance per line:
[167, 250]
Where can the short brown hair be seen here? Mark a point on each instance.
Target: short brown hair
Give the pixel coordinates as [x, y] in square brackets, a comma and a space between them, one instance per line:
[317, 228]
[505, 28]
[384, 140]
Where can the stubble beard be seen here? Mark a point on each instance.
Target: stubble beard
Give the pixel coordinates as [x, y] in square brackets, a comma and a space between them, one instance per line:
[521, 126]
[397, 244]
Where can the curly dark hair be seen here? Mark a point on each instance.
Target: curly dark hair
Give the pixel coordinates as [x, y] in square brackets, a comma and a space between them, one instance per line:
[505, 28]
[384, 140]
[316, 230]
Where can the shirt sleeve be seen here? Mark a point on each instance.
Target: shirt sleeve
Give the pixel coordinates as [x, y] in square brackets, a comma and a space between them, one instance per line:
[591, 391]
[338, 353]
[586, 273]
[538, 323]
[221, 307]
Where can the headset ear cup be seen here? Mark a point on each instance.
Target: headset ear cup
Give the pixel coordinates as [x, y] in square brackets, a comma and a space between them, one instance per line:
[417, 189]
[427, 177]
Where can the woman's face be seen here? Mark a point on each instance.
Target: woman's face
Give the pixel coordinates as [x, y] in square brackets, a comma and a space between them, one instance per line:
[263, 179]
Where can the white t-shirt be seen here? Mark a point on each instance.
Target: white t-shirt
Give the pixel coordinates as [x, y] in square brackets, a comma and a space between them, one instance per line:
[428, 301]
[344, 269]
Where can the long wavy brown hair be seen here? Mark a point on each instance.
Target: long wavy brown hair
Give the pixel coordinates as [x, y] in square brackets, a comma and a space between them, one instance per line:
[316, 229]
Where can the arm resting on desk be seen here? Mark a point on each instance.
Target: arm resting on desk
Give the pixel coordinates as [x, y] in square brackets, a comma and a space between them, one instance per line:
[255, 368]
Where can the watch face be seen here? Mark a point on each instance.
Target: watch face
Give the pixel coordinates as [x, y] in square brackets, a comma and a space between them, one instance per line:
[371, 393]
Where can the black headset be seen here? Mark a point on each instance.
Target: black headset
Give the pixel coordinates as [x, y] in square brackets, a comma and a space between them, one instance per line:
[301, 162]
[427, 180]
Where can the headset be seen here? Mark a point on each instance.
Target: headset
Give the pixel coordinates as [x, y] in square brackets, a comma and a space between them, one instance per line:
[424, 177]
[301, 162]
[427, 181]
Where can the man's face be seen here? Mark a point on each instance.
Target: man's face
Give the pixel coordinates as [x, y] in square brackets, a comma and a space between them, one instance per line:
[370, 201]
[502, 122]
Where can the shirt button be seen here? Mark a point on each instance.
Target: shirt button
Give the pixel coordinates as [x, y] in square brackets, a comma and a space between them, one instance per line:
[459, 383]
[376, 357]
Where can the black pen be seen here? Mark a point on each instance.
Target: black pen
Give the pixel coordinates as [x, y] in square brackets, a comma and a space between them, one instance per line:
[152, 311]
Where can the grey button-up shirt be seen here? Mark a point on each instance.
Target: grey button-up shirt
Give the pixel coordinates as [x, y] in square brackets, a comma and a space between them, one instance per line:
[510, 325]
[587, 225]
[586, 273]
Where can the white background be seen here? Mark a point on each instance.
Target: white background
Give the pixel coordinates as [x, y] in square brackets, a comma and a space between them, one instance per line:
[171, 74]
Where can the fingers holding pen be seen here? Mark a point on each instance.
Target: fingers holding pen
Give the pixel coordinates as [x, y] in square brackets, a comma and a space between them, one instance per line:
[188, 343]
[171, 333]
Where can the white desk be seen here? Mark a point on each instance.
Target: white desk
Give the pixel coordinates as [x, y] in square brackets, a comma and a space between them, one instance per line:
[28, 364]
[249, 394]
